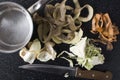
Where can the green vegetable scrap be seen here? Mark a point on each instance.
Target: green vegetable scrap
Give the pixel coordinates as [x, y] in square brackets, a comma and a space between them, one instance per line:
[86, 54]
[92, 56]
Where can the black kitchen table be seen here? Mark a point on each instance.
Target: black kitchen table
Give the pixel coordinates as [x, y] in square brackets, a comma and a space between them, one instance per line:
[9, 62]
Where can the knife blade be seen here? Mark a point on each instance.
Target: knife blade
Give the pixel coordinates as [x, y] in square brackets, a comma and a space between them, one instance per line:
[71, 71]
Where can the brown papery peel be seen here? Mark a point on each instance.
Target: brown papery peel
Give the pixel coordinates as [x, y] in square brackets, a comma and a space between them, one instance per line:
[102, 25]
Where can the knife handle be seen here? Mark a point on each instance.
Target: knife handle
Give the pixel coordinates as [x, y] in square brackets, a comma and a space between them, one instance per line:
[92, 74]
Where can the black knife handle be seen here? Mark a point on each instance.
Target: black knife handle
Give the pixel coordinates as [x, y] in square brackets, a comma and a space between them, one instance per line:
[92, 74]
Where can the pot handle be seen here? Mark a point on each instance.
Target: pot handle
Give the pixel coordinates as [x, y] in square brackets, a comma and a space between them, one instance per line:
[36, 6]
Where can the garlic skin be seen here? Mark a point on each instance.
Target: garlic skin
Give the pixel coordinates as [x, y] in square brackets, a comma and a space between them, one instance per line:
[36, 46]
[47, 53]
[49, 48]
[35, 52]
[44, 56]
[30, 55]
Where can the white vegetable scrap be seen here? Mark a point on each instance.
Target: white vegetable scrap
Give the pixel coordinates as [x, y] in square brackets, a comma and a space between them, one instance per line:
[30, 55]
[97, 60]
[47, 53]
[70, 55]
[77, 37]
[75, 40]
[66, 52]
[70, 61]
[79, 48]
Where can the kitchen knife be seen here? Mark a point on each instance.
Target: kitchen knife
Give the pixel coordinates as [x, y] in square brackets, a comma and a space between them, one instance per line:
[71, 71]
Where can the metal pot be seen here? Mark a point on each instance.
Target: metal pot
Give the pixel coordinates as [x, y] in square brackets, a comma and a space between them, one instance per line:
[16, 25]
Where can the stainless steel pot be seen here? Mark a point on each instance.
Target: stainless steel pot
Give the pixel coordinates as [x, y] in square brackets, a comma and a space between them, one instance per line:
[16, 25]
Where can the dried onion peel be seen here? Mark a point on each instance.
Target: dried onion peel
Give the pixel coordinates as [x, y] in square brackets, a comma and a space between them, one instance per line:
[60, 26]
[108, 32]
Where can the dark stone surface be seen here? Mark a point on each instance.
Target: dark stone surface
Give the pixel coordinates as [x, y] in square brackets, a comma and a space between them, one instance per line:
[9, 62]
